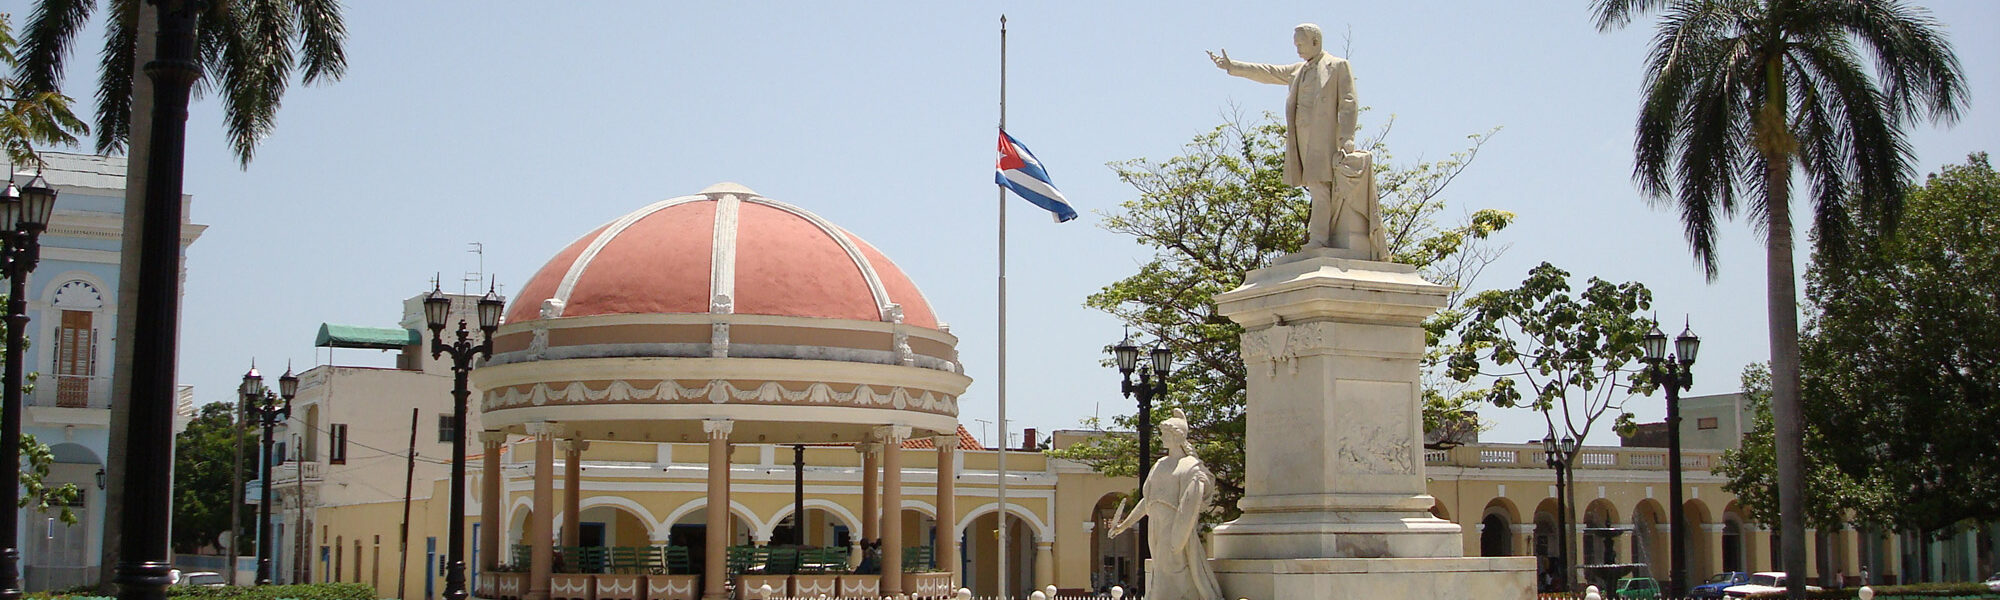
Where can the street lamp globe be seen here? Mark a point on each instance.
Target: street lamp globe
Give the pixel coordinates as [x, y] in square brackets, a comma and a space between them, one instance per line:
[288, 384]
[1128, 355]
[10, 206]
[1568, 445]
[1686, 345]
[38, 202]
[1656, 345]
[489, 311]
[253, 383]
[436, 307]
[1163, 361]
[1549, 449]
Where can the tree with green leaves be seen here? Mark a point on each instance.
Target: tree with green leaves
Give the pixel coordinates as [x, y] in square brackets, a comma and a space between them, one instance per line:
[1899, 359]
[36, 493]
[202, 461]
[1220, 210]
[1740, 93]
[1572, 357]
[1752, 466]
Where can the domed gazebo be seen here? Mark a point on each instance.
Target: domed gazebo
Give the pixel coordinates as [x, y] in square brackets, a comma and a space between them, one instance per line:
[720, 316]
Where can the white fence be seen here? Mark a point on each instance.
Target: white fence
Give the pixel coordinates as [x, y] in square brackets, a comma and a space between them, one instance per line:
[1048, 593]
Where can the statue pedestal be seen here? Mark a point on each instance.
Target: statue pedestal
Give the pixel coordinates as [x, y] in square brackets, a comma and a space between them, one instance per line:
[1334, 467]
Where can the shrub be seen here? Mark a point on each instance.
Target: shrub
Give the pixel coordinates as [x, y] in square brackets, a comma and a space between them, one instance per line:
[312, 591]
[1926, 591]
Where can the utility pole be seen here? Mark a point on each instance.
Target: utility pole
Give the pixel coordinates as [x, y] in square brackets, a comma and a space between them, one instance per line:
[409, 477]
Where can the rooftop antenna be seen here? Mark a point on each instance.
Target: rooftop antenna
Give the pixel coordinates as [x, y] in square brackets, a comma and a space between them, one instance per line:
[982, 430]
[475, 277]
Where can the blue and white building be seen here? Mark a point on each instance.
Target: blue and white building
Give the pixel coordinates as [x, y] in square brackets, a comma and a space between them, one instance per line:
[73, 312]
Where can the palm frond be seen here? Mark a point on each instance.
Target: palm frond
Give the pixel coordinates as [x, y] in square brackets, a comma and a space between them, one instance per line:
[1616, 14]
[45, 43]
[1920, 75]
[117, 65]
[260, 55]
[1872, 151]
[322, 38]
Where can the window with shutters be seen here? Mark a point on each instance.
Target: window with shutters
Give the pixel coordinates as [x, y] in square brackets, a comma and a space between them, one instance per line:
[76, 358]
[337, 454]
[446, 433]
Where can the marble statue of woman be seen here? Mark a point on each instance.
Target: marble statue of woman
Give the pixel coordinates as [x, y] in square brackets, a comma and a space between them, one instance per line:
[1178, 490]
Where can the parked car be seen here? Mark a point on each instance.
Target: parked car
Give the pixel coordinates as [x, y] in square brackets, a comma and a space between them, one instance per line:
[1636, 588]
[1715, 584]
[197, 578]
[1772, 581]
[1993, 581]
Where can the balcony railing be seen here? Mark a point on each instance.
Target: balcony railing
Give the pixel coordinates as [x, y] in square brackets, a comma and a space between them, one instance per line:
[71, 391]
[288, 473]
[1529, 456]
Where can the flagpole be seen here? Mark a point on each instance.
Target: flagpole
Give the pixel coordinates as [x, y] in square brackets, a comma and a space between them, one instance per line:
[1001, 518]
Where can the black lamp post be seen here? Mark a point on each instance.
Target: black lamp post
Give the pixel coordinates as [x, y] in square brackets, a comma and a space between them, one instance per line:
[1558, 456]
[1674, 372]
[144, 570]
[436, 307]
[1152, 382]
[24, 213]
[268, 410]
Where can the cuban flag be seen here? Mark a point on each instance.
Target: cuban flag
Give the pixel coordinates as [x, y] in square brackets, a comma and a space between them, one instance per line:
[1019, 171]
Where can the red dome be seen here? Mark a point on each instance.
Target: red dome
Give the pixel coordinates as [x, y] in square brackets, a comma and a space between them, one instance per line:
[723, 250]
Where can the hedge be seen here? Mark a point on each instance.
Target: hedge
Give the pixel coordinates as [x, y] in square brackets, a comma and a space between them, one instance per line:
[315, 591]
[1927, 591]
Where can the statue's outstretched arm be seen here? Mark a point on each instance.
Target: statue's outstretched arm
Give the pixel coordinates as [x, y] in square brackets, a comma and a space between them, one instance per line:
[1122, 521]
[1258, 72]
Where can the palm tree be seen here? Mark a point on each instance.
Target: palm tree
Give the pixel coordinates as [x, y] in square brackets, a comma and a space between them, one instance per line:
[1737, 94]
[248, 50]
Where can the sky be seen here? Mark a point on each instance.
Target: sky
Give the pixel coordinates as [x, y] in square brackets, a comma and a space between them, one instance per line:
[521, 126]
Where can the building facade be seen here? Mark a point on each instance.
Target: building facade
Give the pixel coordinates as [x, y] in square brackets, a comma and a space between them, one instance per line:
[73, 314]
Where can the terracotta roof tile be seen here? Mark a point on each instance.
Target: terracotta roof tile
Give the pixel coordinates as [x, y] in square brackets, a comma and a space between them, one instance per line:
[965, 441]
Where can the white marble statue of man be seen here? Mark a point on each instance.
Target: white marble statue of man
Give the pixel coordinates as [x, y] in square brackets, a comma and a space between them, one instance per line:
[1320, 155]
[1178, 490]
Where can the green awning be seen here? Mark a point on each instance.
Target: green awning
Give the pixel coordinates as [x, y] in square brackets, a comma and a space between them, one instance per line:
[378, 338]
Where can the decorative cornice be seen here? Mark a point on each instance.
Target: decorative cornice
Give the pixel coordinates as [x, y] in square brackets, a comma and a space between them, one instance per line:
[720, 391]
[544, 430]
[575, 445]
[717, 429]
[492, 438]
[946, 443]
[892, 435]
[868, 447]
